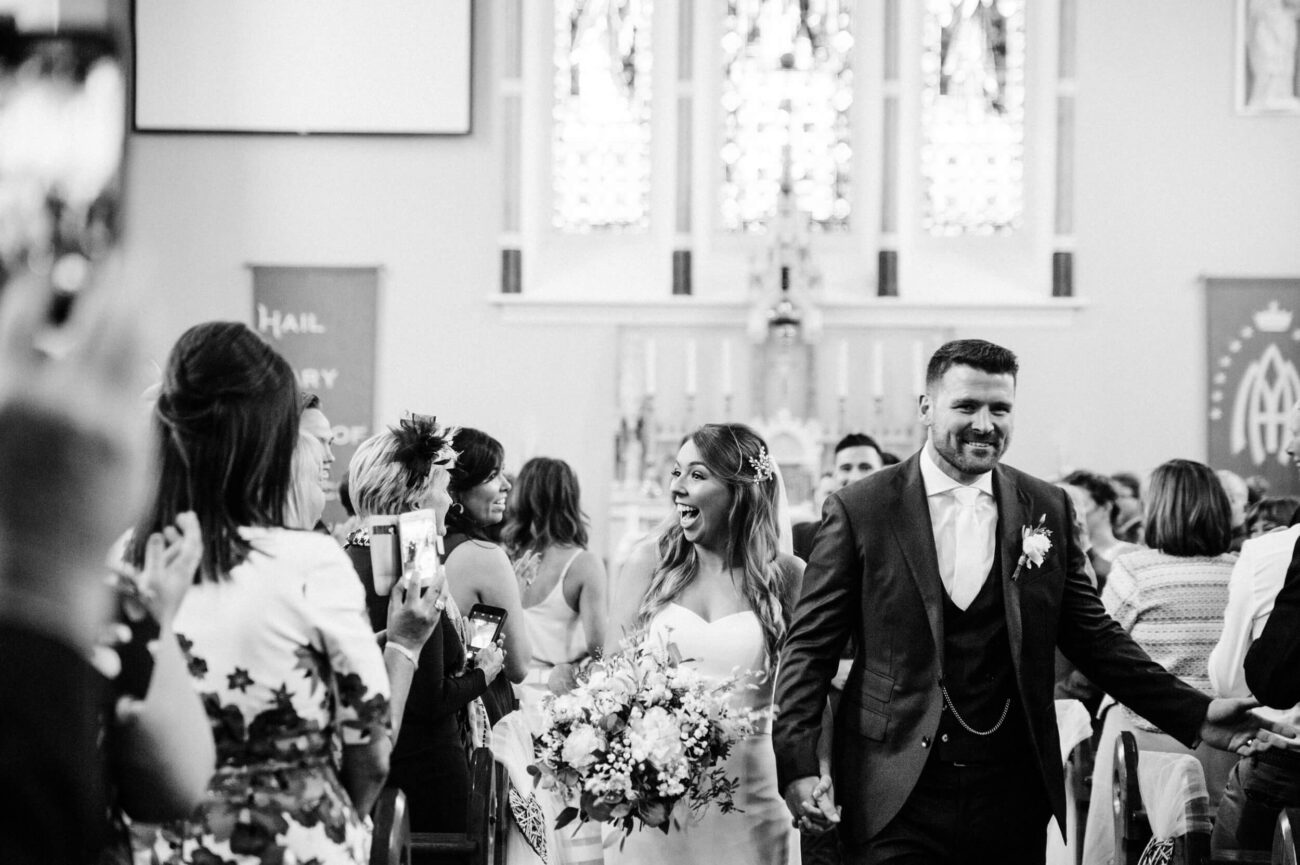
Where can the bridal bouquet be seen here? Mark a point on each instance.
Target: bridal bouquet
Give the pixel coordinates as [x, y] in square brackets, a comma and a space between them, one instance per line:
[639, 734]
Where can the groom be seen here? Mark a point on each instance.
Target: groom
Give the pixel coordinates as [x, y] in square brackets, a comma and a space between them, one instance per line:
[959, 578]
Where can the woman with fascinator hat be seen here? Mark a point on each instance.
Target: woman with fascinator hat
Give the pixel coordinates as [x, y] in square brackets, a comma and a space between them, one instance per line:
[402, 469]
[717, 584]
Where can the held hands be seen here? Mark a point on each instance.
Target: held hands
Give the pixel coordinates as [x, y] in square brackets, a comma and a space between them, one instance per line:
[1231, 724]
[811, 801]
[491, 659]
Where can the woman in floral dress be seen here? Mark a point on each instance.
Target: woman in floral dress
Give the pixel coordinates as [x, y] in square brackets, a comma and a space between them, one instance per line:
[274, 628]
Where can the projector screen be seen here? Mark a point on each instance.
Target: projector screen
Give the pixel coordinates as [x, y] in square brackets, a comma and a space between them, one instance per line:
[384, 67]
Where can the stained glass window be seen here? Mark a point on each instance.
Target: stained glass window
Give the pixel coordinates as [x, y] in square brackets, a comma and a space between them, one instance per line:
[601, 138]
[786, 92]
[973, 116]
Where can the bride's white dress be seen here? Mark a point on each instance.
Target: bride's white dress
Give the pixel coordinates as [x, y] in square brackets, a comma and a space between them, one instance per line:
[763, 833]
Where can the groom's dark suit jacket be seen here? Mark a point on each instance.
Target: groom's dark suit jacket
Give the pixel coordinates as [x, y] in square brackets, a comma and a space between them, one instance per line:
[873, 573]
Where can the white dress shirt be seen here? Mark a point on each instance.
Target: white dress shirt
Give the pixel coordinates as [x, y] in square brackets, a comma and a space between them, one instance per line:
[1256, 579]
[962, 567]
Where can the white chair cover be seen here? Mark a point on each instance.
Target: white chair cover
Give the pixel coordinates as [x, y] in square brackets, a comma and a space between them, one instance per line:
[1173, 792]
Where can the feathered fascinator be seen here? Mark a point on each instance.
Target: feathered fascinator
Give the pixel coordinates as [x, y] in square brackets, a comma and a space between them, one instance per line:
[421, 445]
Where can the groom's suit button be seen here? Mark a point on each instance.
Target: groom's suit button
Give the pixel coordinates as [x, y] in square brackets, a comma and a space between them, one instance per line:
[943, 738]
[925, 741]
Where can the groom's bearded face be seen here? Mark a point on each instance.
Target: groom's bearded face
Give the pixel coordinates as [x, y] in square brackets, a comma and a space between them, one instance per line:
[969, 414]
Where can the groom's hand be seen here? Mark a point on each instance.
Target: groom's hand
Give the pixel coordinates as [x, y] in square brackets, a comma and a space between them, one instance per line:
[811, 801]
[1231, 724]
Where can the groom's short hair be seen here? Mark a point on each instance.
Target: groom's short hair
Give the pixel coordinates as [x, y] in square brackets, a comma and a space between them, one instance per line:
[978, 353]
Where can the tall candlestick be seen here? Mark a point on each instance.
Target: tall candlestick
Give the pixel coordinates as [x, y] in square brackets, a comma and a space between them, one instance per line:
[690, 368]
[727, 389]
[918, 369]
[877, 369]
[842, 371]
[650, 367]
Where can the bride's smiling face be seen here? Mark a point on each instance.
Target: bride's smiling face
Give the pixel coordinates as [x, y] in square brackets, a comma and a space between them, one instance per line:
[701, 498]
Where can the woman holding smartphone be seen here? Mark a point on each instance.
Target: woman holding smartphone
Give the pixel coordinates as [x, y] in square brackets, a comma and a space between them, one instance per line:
[394, 472]
[272, 628]
[478, 570]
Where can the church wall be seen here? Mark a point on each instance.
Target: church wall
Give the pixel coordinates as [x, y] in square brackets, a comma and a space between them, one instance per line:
[1171, 185]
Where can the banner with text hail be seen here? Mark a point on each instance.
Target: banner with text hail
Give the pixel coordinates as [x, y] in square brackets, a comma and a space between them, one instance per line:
[323, 320]
[1253, 333]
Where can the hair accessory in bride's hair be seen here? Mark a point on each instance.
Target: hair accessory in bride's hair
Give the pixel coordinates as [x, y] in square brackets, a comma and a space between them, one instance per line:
[763, 466]
[423, 444]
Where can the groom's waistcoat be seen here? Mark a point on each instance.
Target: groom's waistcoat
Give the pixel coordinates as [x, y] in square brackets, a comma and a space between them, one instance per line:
[979, 677]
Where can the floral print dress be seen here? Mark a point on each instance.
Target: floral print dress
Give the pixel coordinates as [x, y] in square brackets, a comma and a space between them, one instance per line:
[287, 666]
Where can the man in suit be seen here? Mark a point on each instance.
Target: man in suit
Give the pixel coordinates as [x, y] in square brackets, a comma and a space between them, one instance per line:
[959, 577]
[856, 456]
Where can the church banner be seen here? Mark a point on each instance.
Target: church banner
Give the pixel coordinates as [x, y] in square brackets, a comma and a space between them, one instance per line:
[323, 320]
[1252, 380]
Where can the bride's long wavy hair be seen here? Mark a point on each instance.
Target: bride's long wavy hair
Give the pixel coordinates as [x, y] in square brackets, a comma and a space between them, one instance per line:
[735, 455]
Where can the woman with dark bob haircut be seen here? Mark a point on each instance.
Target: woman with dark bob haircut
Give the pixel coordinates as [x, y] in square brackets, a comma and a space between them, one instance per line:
[274, 627]
[562, 583]
[1171, 599]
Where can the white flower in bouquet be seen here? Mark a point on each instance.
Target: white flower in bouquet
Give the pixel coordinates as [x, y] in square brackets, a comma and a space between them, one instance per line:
[581, 745]
[655, 736]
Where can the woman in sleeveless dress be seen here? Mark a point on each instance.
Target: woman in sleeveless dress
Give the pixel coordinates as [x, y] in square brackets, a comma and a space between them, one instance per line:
[561, 583]
[562, 586]
[478, 571]
[715, 584]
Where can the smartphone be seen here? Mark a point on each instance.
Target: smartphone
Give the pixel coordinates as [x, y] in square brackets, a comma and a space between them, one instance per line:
[136, 653]
[385, 553]
[421, 546]
[62, 150]
[484, 625]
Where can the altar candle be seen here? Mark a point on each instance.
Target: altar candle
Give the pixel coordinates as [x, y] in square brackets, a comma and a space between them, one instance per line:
[690, 368]
[650, 367]
[726, 367]
[842, 371]
[877, 369]
[918, 368]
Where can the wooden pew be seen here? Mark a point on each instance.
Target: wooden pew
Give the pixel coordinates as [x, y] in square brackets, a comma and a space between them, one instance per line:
[392, 840]
[488, 813]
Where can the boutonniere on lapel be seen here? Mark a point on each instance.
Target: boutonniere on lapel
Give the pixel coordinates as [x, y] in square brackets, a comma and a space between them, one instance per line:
[1035, 541]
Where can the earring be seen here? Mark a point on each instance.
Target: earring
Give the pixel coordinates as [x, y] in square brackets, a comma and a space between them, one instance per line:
[457, 508]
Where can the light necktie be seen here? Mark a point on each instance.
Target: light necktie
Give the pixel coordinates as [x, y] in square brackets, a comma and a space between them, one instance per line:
[970, 542]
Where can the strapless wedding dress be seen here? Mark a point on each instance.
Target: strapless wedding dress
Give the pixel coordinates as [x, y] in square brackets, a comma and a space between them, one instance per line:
[763, 833]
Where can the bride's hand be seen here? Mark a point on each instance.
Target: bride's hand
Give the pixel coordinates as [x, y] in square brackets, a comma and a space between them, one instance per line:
[811, 801]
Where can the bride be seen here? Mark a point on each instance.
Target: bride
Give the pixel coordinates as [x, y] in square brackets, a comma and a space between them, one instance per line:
[715, 584]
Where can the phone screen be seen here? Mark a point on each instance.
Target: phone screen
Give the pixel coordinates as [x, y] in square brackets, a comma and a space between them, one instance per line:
[484, 624]
[62, 145]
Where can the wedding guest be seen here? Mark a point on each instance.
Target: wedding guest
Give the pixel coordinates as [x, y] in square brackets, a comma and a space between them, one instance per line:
[1239, 498]
[80, 742]
[1128, 504]
[478, 570]
[306, 500]
[1099, 509]
[562, 584]
[1260, 785]
[313, 422]
[1270, 513]
[856, 455]
[273, 624]
[401, 469]
[1170, 599]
